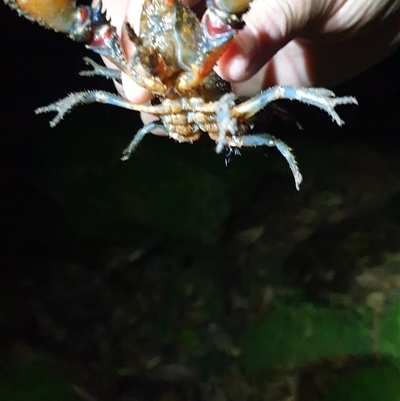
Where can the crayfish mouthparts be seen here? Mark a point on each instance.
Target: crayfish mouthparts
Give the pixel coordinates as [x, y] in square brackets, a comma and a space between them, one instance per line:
[173, 59]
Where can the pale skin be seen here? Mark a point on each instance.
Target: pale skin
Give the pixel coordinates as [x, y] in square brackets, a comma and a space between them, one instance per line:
[290, 42]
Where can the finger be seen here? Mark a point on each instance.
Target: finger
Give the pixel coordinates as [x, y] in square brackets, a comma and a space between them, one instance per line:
[134, 92]
[270, 25]
[120, 12]
[148, 118]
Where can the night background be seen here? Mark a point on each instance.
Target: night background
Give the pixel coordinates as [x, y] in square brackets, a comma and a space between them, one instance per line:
[174, 277]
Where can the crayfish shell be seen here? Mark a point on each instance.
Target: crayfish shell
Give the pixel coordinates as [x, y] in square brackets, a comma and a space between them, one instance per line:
[58, 15]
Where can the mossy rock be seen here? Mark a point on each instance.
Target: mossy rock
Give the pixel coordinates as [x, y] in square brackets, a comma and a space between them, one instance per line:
[377, 383]
[174, 190]
[35, 380]
[292, 336]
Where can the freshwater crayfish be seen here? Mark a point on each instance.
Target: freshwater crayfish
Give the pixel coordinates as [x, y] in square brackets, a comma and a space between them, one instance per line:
[174, 59]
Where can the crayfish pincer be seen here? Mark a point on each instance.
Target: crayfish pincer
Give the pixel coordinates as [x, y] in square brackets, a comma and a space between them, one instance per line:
[173, 59]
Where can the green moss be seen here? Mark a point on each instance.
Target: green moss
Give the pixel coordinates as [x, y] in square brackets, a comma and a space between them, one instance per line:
[295, 335]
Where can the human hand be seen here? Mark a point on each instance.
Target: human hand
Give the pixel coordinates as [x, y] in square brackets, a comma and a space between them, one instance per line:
[290, 42]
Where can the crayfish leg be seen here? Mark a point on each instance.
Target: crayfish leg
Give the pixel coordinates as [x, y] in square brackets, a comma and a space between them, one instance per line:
[269, 140]
[147, 129]
[65, 105]
[322, 98]
[100, 71]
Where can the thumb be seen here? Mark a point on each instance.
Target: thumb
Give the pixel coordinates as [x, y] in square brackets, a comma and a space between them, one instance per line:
[270, 25]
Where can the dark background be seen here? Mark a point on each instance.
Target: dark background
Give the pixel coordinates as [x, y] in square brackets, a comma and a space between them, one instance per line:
[103, 263]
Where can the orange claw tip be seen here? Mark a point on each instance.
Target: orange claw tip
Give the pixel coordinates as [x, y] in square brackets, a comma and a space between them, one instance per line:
[58, 15]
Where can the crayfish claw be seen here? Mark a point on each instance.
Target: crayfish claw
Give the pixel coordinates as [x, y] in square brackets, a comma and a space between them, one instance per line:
[229, 12]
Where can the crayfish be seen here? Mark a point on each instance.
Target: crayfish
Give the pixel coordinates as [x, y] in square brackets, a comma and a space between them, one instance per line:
[174, 59]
